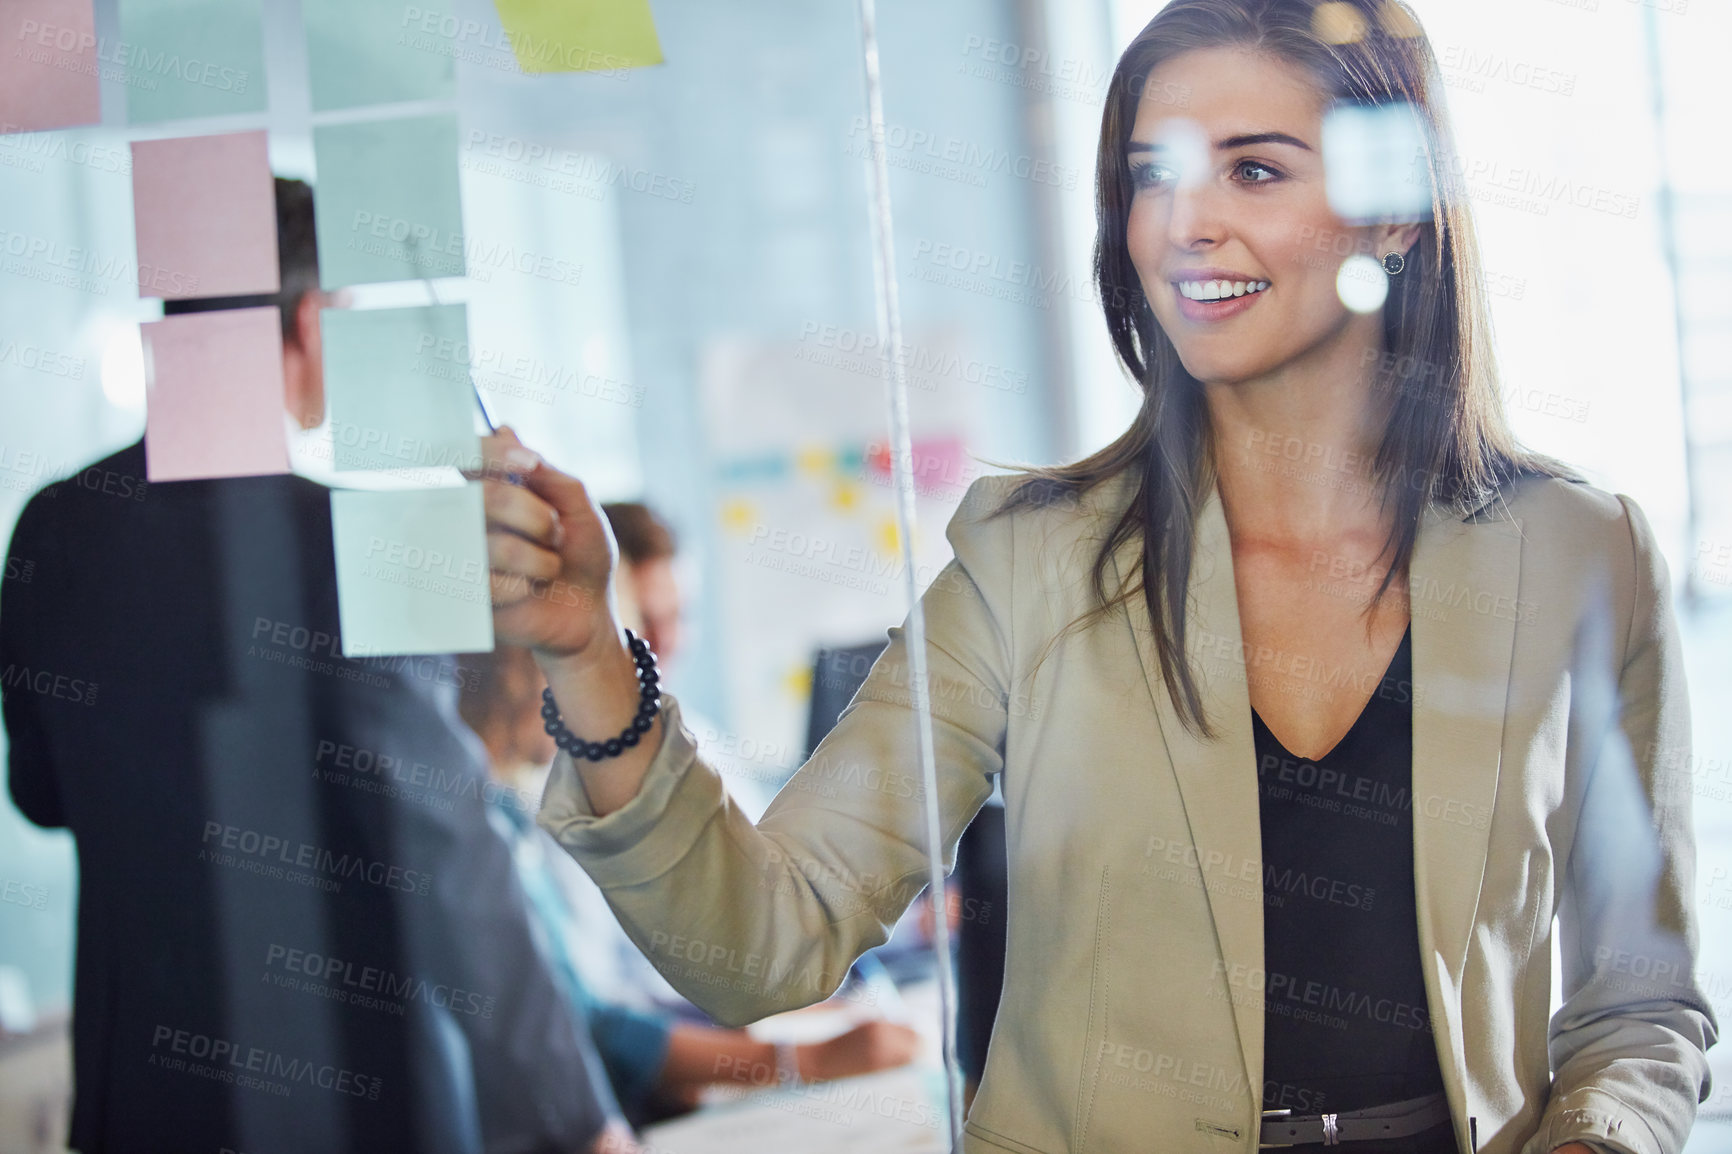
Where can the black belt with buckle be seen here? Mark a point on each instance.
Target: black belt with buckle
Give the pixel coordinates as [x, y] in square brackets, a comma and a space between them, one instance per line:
[1396, 1120]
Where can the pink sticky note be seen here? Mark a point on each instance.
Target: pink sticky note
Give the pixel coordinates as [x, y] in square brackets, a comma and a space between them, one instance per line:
[48, 65]
[207, 216]
[939, 463]
[214, 395]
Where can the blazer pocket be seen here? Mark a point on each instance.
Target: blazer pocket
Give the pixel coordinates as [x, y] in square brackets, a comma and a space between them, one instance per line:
[984, 1136]
[1088, 1071]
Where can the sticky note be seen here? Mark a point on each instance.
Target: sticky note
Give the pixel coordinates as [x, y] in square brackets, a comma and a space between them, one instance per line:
[48, 67]
[397, 381]
[206, 215]
[362, 52]
[214, 395]
[412, 571]
[580, 35]
[387, 201]
[187, 58]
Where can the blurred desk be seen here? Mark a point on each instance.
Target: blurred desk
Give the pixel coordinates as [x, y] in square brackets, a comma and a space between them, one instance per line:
[901, 1111]
[893, 1112]
[36, 1087]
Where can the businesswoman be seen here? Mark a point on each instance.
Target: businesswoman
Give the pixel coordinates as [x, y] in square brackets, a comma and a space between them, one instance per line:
[1322, 709]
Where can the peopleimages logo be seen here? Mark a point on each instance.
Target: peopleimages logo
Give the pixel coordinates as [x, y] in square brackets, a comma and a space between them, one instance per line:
[968, 158]
[1038, 69]
[368, 987]
[454, 360]
[479, 42]
[267, 854]
[36, 36]
[21, 148]
[543, 165]
[73, 266]
[23, 894]
[436, 251]
[1284, 991]
[861, 353]
[224, 1060]
[42, 360]
[47, 683]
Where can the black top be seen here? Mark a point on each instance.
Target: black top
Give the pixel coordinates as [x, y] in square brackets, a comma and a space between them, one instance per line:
[1346, 1023]
[175, 693]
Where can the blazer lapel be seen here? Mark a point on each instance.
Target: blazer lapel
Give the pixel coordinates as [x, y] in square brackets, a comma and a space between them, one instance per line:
[1464, 577]
[1217, 779]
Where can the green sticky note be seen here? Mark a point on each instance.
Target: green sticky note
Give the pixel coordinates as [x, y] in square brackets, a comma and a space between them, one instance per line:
[397, 381]
[412, 571]
[363, 52]
[187, 58]
[386, 201]
[580, 35]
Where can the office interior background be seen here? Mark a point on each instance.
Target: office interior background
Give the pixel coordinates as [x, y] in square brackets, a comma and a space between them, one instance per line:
[671, 295]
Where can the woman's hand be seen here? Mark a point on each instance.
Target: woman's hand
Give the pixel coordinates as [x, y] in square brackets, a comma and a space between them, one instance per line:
[616, 1139]
[552, 557]
[550, 549]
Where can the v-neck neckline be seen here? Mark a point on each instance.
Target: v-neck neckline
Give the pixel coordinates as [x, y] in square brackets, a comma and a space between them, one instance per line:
[1364, 710]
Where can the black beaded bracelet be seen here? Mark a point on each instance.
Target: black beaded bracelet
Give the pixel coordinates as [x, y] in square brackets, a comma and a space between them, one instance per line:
[649, 704]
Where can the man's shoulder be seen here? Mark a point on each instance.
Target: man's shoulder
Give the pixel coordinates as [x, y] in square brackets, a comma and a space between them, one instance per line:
[58, 506]
[119, 483]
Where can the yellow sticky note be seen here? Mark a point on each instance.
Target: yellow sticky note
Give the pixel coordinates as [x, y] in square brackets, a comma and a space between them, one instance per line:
[845, 497]
[737, 515]
[580, 35]
[815, 460]
[889, 540]
[798, 682]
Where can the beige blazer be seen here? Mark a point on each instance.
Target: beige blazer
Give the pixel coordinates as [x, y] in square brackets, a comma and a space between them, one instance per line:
[1550, 781]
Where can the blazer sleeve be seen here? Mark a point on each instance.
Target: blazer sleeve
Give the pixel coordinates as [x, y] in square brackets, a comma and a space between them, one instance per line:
[749, 920]
[1628, 1044]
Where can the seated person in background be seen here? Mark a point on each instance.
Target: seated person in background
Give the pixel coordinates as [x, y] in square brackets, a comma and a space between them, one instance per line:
[656, 1063]
[654, 605]
[647, 550]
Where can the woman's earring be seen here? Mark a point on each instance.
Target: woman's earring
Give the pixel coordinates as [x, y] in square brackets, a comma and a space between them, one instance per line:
[1393, 263]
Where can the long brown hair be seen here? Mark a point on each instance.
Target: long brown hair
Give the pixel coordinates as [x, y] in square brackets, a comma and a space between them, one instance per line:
[1445, 438]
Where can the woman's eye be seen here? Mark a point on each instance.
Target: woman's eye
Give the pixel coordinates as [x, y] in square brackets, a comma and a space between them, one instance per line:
[1253, 166]
[1149, 175]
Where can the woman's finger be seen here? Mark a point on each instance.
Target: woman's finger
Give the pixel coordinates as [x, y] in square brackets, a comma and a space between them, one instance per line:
[504, 458]
[509, 553]
[515, 509]
[564, 492]
[509, 589]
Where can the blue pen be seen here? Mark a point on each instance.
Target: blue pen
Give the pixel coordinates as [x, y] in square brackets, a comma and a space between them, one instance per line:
[474, 389]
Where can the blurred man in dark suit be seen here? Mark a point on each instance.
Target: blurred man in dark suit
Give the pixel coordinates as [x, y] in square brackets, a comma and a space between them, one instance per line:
[296, 929]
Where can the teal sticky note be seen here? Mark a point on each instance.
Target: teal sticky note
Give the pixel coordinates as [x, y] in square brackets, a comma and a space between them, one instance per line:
[412, 572]
[187, 58]
[386, 201]
[362, 52]
[397, 383]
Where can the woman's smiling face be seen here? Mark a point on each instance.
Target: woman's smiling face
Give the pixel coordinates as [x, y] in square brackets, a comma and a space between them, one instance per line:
[1229, 188]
